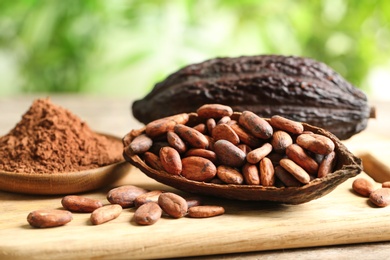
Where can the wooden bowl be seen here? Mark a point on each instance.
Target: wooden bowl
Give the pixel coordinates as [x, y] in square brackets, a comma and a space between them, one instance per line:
[64, 183]
[347, 166]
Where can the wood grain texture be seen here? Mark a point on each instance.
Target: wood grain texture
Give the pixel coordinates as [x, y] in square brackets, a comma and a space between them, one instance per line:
[341, 217]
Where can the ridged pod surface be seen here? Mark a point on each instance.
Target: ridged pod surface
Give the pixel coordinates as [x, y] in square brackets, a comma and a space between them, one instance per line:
[297, 88]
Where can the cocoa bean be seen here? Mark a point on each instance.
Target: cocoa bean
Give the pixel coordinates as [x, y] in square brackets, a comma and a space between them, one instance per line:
[280, 141]
[176, 142]
[327, 165]
[140, 144]
[267, 172]
[210, 123]
[257, 154]
[363, 186]
[147, 214]
[195, 138]
[316, 143]
[297, 171]
[80, 204]
[251, 174]
[105, 214]
[125, 195]
[205, 211]
[225, 132]
[287, 125]
[214, 111]
[170, 160]
[153, 161]
[256, 125]
[151, 196]
[198, 169]
[386, 184]
[245, 136]
[380, 197]
[46, 218]
[286, 178]
[163, 125]
[208, 154]
[173, 204]
[229, 175]
[229, 154]
[300, 157]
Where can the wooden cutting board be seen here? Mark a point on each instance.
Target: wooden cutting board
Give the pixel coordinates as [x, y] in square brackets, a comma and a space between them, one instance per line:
[340, 217]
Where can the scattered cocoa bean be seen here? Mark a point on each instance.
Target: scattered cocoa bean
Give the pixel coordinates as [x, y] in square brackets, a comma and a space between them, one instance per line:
[205, 211]
[105, 214]
[148, 213]
[125, 195]
[75, 203]
[380, 197]
[173, 204]
[45, 218]
[363, 186]
[151, 196]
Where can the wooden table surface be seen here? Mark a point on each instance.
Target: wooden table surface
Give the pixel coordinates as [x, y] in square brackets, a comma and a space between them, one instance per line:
[112, 115]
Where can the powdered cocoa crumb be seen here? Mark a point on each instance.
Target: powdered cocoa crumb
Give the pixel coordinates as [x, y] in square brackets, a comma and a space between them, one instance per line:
[50, 139]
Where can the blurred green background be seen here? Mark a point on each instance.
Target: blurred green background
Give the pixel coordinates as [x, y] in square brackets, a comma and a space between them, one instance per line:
[124, 47]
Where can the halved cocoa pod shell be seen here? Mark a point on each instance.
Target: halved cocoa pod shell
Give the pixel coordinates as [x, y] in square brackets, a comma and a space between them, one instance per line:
[347, 166]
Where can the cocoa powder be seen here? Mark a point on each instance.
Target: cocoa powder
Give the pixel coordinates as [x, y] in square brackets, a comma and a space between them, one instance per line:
[51, 139]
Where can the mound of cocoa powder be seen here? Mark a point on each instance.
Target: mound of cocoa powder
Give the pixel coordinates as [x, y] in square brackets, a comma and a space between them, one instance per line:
[50, 139]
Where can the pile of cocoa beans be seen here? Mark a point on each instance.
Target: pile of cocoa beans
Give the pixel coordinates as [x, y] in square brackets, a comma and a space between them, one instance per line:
[149, 205]
[379, 196]
[249, 150]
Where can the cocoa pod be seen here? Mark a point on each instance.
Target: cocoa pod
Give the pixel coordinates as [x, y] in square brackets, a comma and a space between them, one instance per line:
[298, 88]
[49, 218]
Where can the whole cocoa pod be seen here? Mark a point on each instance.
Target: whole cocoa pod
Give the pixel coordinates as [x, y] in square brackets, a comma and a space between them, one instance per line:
[297, 88]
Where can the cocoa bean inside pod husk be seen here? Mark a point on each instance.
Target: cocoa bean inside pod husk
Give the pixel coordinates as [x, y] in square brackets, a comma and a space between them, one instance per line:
[346, 166]
[297, 88]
